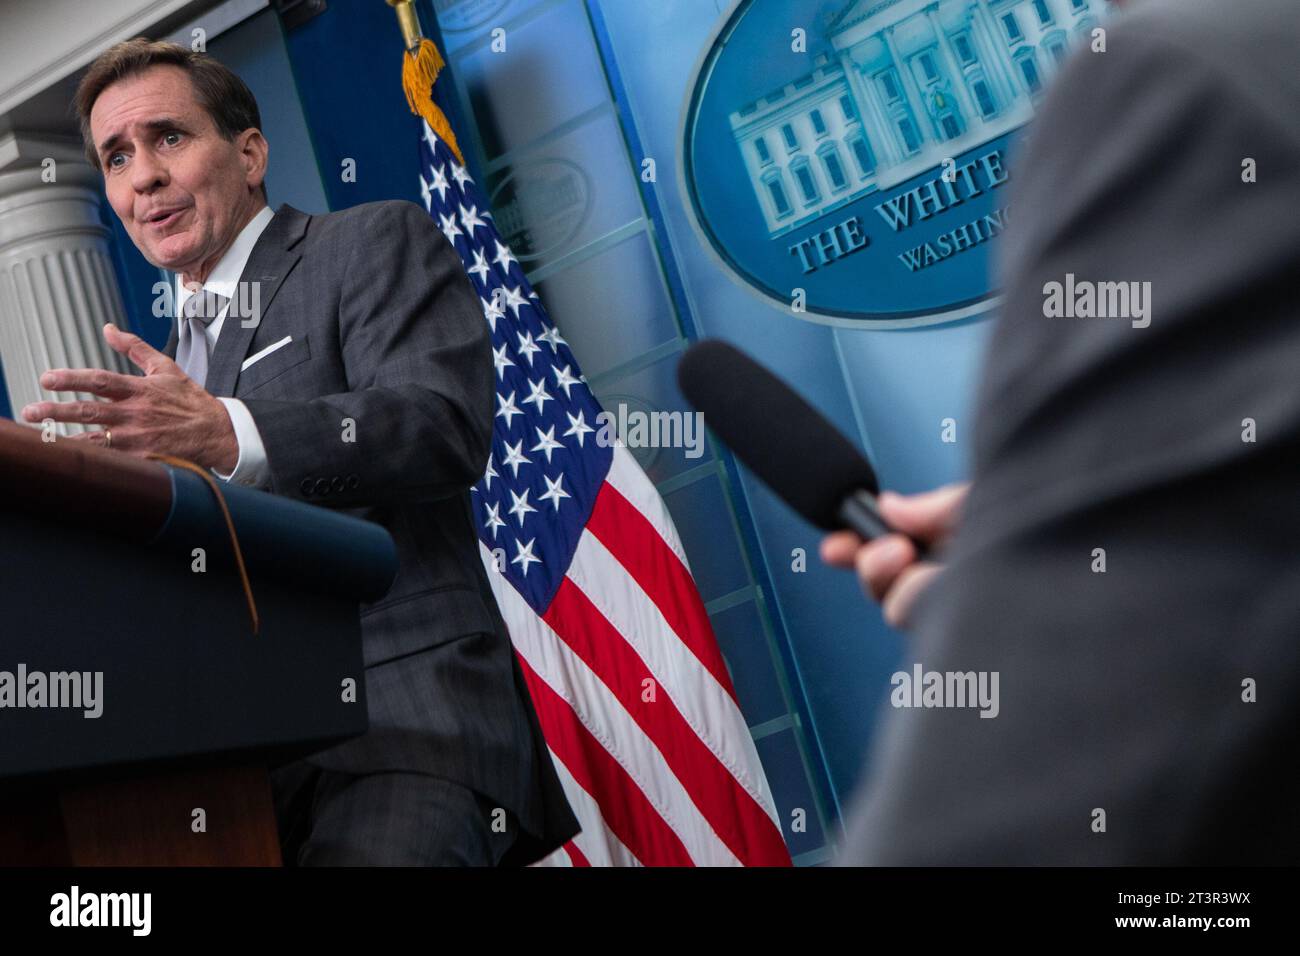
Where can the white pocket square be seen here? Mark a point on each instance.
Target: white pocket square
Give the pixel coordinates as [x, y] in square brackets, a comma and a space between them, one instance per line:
[258, 356]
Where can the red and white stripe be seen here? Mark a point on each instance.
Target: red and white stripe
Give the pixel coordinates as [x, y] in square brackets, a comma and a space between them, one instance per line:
[635, 700]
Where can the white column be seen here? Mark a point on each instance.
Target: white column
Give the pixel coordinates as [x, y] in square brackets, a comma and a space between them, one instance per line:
[57, 285]
[973, 115]
[910, 91]
[876, 127]
[995, 57]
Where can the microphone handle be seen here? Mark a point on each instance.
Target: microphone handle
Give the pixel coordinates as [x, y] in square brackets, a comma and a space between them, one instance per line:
[860, 513]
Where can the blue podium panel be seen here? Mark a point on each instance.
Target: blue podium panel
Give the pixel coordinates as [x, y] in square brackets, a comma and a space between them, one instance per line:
[150, 660]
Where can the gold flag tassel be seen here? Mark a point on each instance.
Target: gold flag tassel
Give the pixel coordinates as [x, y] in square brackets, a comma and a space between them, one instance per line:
[419, 72]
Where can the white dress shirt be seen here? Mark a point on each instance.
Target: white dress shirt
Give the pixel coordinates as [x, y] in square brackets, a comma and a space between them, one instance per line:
[251, 468]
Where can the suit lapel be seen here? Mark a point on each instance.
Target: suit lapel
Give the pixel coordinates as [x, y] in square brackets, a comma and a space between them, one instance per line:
[273, 258]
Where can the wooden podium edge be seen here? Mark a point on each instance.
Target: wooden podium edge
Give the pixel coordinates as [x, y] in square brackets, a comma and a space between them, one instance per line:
[204, 816]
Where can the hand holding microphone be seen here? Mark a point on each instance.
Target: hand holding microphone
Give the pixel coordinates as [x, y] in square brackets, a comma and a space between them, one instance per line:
[809, 463]
[889, 567]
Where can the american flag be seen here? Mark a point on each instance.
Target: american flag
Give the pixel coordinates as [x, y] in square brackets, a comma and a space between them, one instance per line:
[631, 690]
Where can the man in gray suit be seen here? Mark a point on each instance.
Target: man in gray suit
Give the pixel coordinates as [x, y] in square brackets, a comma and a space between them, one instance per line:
[342, 360]
[1128, 556]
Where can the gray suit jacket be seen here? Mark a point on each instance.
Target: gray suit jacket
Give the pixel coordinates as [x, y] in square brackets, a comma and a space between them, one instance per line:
[1123, 691]
[389, 341]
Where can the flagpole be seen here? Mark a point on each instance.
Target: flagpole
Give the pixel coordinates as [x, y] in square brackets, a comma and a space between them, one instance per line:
[408, 18]
[420, 68]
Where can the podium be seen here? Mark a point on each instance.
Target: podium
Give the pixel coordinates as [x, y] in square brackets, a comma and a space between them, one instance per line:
[139, 711]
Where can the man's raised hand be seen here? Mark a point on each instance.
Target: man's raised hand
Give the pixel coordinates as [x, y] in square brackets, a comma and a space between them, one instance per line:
[163, 411]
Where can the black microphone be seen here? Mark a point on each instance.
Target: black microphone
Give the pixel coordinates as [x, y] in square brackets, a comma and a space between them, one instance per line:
[790, 445]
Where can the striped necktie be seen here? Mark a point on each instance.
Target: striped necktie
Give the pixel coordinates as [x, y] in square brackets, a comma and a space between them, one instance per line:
[199, 310]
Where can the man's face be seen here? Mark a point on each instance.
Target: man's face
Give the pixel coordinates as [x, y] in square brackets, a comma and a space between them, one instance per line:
[181, 190]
